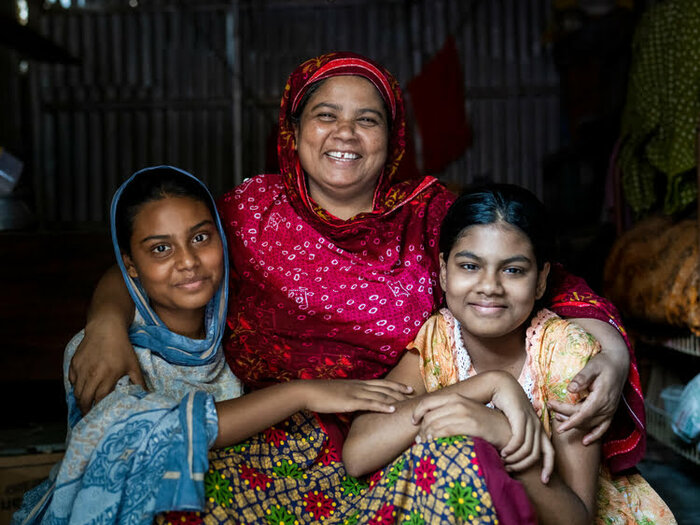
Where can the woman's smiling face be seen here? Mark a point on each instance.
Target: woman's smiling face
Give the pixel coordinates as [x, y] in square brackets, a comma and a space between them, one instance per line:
[177, 255]
[491, 280]
[342, 139]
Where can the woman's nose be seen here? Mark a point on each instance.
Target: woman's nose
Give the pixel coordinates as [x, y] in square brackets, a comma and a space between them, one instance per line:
[345, 128]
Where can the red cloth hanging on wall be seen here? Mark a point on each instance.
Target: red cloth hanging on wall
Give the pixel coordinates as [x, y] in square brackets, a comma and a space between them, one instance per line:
[437, 97]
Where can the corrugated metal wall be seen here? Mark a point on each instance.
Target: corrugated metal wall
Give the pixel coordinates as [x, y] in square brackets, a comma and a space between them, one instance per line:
[155, 86]
[197, 84]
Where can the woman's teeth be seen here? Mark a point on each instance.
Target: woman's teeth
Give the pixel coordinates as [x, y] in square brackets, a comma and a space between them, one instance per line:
[341, 155]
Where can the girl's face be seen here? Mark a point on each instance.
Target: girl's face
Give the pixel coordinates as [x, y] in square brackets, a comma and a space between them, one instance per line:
[491, 280]
[176, 253]
[342, 137]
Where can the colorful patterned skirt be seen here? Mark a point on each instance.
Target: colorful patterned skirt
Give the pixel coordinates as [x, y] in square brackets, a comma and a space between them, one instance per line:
[291, 474]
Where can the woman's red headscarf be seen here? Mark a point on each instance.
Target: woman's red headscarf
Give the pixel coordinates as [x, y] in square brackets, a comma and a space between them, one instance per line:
[387, 194]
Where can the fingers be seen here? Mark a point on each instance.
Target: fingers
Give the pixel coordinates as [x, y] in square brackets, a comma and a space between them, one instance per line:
[435, 424]
[518, 427]
[86, 394]
[451, 419]
[588, 409]
[101, 391]
[376, 395]
[386, 390]
[597, 432]
[565, 409]
[584, 379]
[136, 377]
[388, 395]
[529, 451]
[426, 405]
[372, 406]
[548, 455]
[392, 385]
[72, 375]
[523, 464]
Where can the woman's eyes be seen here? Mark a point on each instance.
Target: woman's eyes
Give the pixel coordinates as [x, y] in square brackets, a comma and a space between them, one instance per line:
[363, 120]
[469, 266]
[514, 270]
[368, 120]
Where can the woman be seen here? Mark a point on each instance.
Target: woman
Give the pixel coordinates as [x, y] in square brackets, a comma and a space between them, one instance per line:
[335, 265]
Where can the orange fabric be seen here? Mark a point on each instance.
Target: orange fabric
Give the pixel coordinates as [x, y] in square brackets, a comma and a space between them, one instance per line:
[652, 273]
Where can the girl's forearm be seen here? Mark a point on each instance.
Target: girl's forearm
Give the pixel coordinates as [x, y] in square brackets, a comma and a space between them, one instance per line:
[244, 416]
[570, 495]
[555, 503]
[484, 386]
[375, 439]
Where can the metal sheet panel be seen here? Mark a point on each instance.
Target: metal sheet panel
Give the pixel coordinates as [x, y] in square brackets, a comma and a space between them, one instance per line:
[197, 84]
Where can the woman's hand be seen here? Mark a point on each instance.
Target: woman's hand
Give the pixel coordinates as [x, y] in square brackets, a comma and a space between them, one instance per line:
[104, 356]
[335, 396]
[603, 378]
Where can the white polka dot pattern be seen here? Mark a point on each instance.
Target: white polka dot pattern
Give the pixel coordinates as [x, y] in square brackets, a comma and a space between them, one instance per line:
[300, 295]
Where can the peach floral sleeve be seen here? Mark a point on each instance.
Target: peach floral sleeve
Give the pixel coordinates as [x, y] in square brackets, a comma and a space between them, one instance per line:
[558, 350]
[437, 363]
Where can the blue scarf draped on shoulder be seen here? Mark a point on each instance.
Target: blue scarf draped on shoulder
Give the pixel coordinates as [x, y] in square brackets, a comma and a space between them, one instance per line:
[139, 452]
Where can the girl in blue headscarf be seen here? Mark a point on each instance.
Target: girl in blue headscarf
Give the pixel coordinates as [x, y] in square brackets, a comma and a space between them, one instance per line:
[143, 451]
[139, 451]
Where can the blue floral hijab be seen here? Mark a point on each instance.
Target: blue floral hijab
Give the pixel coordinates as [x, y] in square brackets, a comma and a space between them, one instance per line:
[152, 332]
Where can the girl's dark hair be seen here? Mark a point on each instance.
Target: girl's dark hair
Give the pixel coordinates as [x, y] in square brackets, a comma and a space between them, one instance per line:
[500, 203]
[154, 185]
[296, 116]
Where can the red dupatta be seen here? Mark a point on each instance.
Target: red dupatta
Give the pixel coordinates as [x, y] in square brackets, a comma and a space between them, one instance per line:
[313, 296]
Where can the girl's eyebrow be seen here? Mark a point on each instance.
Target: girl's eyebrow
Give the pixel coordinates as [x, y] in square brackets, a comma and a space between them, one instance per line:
[517, 258]
[166, 236]
[155, 238]
[200, 224]
[510, 260]
[467, 254]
